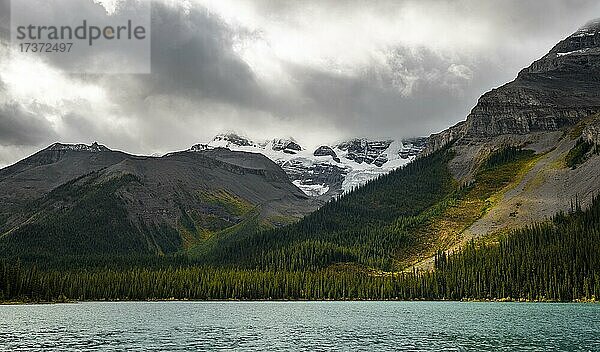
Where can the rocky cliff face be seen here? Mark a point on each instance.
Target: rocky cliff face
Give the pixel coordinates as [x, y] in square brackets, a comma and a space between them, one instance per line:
[288, 146]
[325, 150]
[556, 91]
[591, 132]
[370, 152]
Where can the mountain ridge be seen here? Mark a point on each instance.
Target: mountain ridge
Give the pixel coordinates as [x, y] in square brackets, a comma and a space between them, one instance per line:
[555, 91]
[176, 200]
[502, 206]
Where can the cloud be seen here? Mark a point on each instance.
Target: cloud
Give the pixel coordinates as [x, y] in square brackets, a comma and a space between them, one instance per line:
[192, 54]
[319, 71]
[390, 67]
[20, 128]
[199, 67]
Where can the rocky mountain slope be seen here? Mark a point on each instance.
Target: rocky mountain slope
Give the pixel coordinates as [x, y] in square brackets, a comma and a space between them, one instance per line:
[557, 90]
[78, 199]
[554, 93]
[527, 152]
[328, 170]
[551, 109]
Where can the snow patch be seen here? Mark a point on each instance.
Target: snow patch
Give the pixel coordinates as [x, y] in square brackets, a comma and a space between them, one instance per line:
[311, 190]
[94, 147]
[582, 51]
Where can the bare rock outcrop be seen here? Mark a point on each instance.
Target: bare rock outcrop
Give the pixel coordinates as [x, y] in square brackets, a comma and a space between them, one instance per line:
[591, 132]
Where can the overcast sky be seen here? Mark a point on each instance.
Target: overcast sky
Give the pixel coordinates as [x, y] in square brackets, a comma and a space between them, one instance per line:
[319, 71]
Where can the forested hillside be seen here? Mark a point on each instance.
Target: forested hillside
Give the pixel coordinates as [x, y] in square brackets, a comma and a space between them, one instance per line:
[369, 226]
[348, 250]
[558, 260]
[379, 226]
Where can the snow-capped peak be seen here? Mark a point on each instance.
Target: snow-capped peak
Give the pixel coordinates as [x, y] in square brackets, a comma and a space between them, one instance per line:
[330, 169]
[230, 139]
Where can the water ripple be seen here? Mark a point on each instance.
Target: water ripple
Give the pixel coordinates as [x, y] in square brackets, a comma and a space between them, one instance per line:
[300, 326]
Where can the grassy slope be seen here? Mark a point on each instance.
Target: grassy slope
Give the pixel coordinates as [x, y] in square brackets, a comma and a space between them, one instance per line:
[198, 227]
[444, 230]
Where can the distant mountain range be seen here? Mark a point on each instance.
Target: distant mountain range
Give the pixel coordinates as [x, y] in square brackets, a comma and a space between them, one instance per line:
[329, 170]
[89, 199]
[86, 199]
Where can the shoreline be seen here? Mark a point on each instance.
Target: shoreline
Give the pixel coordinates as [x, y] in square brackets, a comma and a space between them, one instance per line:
[504, 300]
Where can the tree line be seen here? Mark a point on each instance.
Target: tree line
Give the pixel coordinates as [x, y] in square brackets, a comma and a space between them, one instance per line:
[557, 261]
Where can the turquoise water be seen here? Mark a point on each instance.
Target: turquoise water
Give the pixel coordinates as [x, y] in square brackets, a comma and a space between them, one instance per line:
[300, 326]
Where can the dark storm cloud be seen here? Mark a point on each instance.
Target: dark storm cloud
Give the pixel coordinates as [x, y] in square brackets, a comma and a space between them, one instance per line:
[201, 82]
[192, 54]
[193, 57]
[372, 106]
[20, 128]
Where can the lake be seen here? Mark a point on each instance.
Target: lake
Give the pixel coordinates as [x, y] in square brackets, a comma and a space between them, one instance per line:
[300, 326]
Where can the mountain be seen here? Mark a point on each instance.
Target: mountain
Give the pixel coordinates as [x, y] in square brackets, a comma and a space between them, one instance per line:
[555, 91]
[501, 206]
[551, 108]
[37, 175]
[328, 170]
[527, 151]
[77, 199]
[88, 199]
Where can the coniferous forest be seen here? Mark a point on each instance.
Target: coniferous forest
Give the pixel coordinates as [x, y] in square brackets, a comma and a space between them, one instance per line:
[346, 250]
[558, 261]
